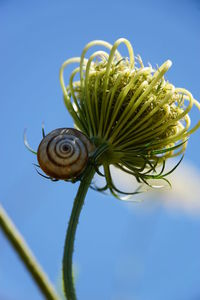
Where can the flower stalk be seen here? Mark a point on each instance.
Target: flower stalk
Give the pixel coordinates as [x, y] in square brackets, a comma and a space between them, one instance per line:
[27, 257]
[71, 231]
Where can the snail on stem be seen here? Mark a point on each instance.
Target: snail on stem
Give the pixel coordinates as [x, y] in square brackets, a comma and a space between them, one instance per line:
[128, 115]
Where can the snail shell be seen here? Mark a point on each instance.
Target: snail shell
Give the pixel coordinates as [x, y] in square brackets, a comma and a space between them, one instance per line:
[64, 152]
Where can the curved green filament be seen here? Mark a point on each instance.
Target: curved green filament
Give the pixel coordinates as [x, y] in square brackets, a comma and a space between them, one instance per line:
[87, 47]
[108, 67]
[87, 99]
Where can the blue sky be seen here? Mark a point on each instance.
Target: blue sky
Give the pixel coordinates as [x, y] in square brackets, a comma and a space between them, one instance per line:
[120, 254]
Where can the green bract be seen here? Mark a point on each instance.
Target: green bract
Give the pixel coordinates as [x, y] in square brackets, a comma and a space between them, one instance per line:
[142, 118]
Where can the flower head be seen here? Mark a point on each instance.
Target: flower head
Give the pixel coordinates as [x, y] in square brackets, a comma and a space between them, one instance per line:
[140, 117]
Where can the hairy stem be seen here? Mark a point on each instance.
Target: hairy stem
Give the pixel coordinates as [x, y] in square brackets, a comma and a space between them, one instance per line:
[71, 231]
[26, 256]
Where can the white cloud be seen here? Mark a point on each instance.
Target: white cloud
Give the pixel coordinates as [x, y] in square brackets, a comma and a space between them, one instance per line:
[184, 194]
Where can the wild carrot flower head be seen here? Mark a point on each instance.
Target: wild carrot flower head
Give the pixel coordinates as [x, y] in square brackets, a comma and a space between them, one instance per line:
[132, 109]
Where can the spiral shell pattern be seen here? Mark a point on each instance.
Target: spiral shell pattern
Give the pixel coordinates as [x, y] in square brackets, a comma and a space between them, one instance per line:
[64, 152]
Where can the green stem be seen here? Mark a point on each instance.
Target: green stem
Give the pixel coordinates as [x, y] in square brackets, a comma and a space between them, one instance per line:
[26, 256]
[71, 231]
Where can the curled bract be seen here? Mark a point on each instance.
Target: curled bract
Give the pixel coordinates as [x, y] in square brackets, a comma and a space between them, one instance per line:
[135, 118]
[142, 117]
[117, 100]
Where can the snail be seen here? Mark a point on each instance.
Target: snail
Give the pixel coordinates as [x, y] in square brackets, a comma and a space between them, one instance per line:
[64, 153]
